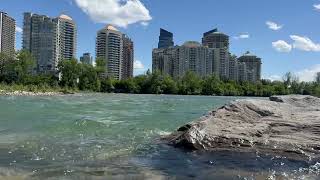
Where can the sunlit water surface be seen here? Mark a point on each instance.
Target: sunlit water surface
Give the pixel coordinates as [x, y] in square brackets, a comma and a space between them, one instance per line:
[116, 136]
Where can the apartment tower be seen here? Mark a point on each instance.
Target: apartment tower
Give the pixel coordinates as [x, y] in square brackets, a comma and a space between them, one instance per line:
[253, 66]
[220, 42]
[165, 39]
[7, 34]
[127, 58]
[49, 40]
[86, 58]
[109, 46]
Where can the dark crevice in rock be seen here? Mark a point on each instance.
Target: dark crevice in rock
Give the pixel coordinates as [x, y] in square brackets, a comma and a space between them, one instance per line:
[185, 127]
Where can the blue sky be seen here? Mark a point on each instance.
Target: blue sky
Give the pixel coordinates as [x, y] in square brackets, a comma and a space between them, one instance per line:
[291, 44]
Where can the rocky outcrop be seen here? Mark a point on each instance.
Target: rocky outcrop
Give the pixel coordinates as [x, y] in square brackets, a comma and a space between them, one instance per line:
[283, 125]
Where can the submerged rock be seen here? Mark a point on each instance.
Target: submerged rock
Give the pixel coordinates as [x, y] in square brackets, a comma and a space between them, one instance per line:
[283, 125]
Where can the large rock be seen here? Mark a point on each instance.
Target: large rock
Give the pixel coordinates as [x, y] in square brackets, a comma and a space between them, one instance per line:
[283, 125]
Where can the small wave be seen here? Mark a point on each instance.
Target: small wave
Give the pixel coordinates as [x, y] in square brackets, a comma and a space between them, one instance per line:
[157, 132]
[88, 123]
[13, 174]
[163, 133]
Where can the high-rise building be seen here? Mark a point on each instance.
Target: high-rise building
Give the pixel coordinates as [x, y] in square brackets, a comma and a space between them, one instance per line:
[215, 39]
[49, 40]
[191, 56]
[195, 57]
[7, 34]
[40, 38]
[127, 58]
[109, 46]
[67, 33]
[242, 72]
[165, 61]
[86, 58]
[210, 58]
[253, 66]
[233, 68]
[165, 39]
[219, 41]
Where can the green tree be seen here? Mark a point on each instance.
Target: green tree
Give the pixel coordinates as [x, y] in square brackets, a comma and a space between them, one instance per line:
[249, 89]
[280, 88]
[318, 78]
[107, 85]
[88, 79]
[27, 61]
[190, 84]
[169, 86]
[70, 72]
[291, 82]
[16, 70]
[6, 67]
[230, 89]
[212, 86]
[142, 83]
[125, 86]
[155, 83]
[4, 60]
[101, 65]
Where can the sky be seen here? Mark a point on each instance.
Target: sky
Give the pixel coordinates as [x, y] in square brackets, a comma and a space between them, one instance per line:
[285, 34]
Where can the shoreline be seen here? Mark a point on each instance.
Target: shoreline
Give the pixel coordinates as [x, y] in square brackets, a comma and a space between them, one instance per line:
[53, 93]
[29, 93]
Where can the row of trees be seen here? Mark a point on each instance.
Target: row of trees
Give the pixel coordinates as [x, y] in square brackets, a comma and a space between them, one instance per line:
[84, 77]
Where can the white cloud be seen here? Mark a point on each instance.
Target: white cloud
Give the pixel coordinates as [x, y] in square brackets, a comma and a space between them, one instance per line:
[243, 36]
[18, 29]
[117, 12]
[273, 78]
[304, 43]
[138, 65]
[144, 23]
[139, 68]
[281, 46]
[274, 26]
[317, 7]
[308, 74]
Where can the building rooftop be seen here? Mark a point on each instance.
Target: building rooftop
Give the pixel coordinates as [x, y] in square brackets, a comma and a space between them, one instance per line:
[214, 31]
[63, 16]
[192, 44]
[110, 27]
[248, 54]
[165, 31]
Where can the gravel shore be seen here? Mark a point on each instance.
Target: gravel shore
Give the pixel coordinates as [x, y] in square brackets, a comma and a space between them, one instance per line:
[27, 93]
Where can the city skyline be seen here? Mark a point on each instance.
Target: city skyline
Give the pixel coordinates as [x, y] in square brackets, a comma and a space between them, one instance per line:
[212, 57]
[254, 31]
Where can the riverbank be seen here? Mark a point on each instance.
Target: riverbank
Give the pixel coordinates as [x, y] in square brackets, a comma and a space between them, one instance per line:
[20, 90]
[28, 93]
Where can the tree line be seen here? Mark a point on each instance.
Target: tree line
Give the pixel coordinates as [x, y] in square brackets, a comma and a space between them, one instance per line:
[76, 76]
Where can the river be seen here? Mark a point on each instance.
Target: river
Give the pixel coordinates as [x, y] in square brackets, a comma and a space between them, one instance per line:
[116, 136]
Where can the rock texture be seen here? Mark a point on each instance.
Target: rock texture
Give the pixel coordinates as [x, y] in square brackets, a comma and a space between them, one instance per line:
[283, 125]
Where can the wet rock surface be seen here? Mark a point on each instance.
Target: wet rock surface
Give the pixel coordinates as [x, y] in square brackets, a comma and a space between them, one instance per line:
[287, 126]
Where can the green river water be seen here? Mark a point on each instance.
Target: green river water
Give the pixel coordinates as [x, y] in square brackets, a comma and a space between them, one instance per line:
[116, 136]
